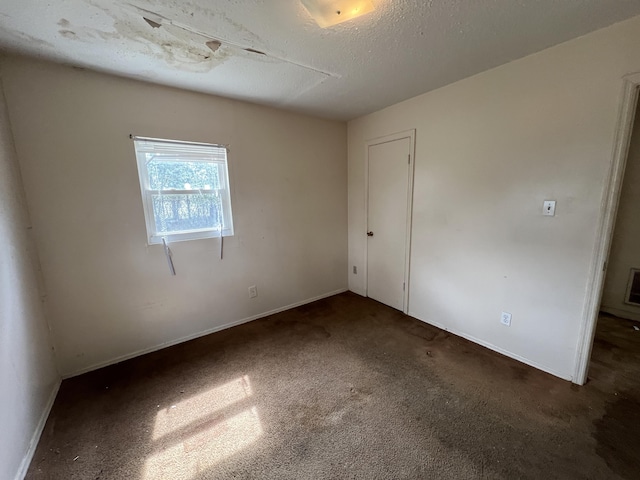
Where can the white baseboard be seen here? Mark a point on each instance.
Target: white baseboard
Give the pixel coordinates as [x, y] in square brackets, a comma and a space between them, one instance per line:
[490, 346]
[35, 438]
[199, 334]
[621, 313]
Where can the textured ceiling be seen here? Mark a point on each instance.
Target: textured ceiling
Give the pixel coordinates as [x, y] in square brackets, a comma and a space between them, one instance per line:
[402, 49]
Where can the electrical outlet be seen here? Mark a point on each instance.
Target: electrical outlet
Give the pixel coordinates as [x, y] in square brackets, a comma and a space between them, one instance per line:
[253, 291]
[355, 270]
[505, 319]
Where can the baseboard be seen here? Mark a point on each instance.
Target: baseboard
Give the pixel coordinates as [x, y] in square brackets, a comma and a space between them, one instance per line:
[495, 348]
[621, 313]
[35, 438]
[155, 348]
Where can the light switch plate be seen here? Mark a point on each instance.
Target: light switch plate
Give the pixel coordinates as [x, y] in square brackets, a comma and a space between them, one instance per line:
[549, 208]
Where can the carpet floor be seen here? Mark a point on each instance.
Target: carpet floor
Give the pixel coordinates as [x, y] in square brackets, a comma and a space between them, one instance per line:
[346, 388]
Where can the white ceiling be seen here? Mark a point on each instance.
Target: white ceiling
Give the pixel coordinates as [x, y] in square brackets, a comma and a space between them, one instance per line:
[404, 48]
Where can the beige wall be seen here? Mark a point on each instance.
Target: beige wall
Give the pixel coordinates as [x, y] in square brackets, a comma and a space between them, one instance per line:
[28, 376]
[489, 150]
[625, 247]
[110, 296]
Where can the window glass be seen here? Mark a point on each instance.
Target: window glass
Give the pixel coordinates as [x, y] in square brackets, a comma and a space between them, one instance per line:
[185, 189]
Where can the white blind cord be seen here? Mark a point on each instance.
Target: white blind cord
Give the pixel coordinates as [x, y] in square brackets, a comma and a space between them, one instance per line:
[220, 224]
[221, 240]
[167, 252]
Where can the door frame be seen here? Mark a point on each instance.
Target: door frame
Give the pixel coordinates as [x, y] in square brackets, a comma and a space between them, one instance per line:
[606, 225]
[411, 135]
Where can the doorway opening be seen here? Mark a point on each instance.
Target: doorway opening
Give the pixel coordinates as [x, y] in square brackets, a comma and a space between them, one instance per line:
[612, 286]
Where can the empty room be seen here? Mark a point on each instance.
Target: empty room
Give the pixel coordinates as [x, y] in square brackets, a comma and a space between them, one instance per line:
[319, 239]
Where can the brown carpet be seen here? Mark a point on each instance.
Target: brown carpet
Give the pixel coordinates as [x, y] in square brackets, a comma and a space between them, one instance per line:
[346, 388]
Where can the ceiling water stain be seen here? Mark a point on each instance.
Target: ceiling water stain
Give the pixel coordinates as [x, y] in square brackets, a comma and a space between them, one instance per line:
[213, 45]
[200, 13]
[80, 34]
[183, 56]
[180, 45]
[29, 38]
[68, 34]
[178, 48]
[152, 23]
[183, 49]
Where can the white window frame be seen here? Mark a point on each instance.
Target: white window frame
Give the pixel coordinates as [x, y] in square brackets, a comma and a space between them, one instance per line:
[632, 274]
[142, 146]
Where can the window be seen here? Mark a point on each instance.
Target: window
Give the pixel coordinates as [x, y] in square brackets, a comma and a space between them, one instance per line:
[633, 287]
[185, 189]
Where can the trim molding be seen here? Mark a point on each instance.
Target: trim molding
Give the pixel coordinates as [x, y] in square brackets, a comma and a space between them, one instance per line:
[606, 224]
[623, 314]
[502, 351]
[217, 328]
[35, 438]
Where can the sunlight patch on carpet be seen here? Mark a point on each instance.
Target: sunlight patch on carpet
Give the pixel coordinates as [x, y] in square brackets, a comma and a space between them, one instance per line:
[197, 433]
[195, 408]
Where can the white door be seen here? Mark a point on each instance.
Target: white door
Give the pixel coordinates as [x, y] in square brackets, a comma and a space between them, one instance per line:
[388, 205]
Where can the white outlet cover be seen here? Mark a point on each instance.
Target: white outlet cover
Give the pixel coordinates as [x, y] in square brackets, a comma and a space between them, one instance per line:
[505, 319]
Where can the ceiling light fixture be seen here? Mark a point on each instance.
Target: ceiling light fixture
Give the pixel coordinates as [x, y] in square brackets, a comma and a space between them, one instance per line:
[327, 13]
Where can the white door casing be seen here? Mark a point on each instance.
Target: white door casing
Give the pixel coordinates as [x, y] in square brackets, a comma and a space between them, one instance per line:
[606, 225]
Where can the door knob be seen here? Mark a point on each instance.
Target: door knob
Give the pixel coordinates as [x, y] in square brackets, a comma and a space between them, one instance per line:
[369, 234]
